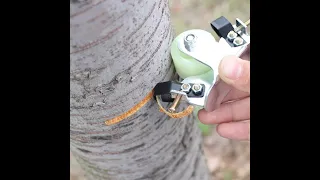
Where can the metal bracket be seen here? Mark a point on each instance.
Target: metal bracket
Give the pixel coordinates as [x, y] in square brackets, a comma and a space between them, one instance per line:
[242, 27]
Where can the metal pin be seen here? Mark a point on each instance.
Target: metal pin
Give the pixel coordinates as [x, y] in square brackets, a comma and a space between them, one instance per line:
[175, 103]
[189, 41]
[247, 23]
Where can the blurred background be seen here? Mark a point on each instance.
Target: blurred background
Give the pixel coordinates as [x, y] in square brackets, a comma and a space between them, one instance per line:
[226, 159]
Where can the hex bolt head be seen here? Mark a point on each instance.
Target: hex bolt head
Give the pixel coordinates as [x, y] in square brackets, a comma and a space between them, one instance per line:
[185, 88]
[189, 41]
[190, 37]
[238, 41]
[232, 35]
[197, 89]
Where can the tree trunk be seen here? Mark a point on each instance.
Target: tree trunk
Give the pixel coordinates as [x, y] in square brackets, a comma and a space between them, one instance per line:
[119, 50]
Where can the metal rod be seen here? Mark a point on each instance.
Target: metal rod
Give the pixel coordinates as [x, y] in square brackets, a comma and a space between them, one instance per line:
[175, 103]
[247, 23]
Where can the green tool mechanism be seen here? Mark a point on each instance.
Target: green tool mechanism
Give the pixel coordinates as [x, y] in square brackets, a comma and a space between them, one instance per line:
[196, 56]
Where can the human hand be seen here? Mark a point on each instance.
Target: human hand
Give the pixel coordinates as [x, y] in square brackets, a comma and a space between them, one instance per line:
[231, 104]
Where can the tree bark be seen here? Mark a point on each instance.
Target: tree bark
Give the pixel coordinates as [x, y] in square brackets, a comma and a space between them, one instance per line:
[119, 50]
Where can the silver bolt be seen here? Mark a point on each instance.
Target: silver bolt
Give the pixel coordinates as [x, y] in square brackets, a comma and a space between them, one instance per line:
[185, 88]
[174, 105]
[190, 37]
[232, 35]
[189, 41]
[238, 41]
[197, 89]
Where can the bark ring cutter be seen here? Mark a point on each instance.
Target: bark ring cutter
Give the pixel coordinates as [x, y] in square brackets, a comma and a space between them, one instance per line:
[196, 53]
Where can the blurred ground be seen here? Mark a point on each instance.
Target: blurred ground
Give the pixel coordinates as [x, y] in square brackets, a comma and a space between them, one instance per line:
[226, 159]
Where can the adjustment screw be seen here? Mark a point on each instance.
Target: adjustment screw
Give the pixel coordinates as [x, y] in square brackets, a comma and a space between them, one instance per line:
[232, 35]
[197, 89]
[185, 88]
[238, 41]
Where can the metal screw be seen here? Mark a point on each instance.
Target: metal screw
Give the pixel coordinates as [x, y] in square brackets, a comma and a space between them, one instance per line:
[185, 88]
[231, 35]
[197, 89]
[175, 103]
[238, 41]
[189, 41]
[247, 23]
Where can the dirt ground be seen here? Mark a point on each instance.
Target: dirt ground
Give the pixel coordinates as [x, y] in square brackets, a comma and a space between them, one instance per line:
[226, 159]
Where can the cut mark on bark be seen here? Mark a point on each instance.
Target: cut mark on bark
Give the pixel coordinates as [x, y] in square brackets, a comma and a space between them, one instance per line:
[130, 112]
[159, 150]
[79, 140]
[142, 159]
[96, 17]
[161, 121]
[159, 4]
[88, 8]
[109, 87]
[142, 67]
[123, 125]
[133, 148]
[118, 152]
[144, 21]
[98, 41]
[76, 132]
[157, 26]
[83, 150]
[110, 137]
[156, 171]
[195, 166]
[75, 1]
[116, 19]
[143, 127]
[155, 142]
[182, 158]
[184, 137]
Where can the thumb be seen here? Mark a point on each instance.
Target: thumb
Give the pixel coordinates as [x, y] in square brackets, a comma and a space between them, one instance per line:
[235, 72]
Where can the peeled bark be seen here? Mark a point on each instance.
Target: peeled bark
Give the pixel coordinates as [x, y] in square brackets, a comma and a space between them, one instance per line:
[119, 50]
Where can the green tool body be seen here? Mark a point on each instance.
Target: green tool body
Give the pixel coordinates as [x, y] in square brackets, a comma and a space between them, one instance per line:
[187, 66]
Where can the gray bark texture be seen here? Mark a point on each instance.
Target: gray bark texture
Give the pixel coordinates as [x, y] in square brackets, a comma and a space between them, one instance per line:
[119, 50]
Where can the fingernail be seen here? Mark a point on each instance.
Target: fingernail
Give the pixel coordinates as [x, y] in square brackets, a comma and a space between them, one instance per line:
[231, 68]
